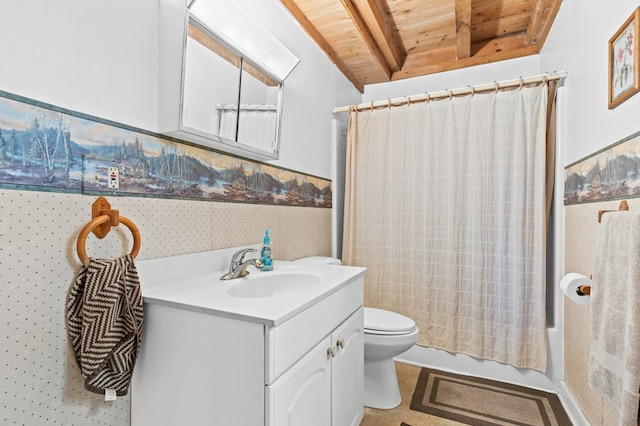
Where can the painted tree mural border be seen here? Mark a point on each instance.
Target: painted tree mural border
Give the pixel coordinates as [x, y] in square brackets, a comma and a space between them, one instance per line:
[610, 174]
[48, 148]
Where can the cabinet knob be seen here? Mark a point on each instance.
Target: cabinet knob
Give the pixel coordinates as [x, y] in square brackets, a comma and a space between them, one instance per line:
[330, 352]
[340, 343]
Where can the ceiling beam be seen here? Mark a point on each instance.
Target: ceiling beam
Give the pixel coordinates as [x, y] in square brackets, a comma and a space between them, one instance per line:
[315, 35]
[378, 25]
[444, 59]
[543, 16]
[463, 28]
[368, 39]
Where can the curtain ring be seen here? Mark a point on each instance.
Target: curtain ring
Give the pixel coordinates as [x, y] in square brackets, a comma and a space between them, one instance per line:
[450, 94]
[428, 97]
[388, 103]
[545, 79]
[497, 86]
[473, 90]
[371, 108]
[408, 98]
[521, 82]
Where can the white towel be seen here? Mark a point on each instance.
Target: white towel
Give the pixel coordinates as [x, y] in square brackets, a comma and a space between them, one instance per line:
[614, 363]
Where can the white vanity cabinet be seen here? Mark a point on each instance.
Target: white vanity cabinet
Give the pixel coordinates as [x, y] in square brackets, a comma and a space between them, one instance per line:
[200, 365]
[325, 387]
[347, 372]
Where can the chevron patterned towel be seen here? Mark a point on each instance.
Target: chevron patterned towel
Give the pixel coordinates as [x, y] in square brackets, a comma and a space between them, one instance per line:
[104, 321]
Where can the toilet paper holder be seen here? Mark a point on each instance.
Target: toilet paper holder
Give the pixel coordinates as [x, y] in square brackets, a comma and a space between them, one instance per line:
[576, 286]
[583, 290]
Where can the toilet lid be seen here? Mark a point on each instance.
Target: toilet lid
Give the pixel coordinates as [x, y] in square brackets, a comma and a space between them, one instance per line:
[379, 320]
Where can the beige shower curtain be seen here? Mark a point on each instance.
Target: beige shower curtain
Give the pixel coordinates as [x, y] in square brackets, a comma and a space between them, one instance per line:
[445, 206]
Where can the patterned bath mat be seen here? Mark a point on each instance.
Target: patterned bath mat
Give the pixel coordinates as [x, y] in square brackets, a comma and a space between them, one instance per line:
[483, 402]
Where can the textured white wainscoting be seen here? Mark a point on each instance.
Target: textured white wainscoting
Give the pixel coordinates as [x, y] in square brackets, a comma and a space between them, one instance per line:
[40, 381]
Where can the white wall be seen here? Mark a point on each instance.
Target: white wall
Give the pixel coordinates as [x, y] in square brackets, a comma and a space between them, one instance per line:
[578, 43]
[101, 58]
[94, 57]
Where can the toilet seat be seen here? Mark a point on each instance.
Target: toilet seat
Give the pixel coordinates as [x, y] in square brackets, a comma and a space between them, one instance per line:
[382, 322]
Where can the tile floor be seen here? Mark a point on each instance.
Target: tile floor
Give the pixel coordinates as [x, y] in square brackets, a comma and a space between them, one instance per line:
[407, 378]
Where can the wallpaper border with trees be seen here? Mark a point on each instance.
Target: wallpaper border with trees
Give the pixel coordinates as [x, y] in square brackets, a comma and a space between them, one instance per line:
[48, 148]
[609, 174]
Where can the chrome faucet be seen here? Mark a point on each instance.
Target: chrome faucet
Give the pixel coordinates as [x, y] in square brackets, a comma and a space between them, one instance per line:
[238, 266]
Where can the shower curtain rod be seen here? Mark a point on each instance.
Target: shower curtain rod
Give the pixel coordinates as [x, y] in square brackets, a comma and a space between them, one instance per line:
[455, 92]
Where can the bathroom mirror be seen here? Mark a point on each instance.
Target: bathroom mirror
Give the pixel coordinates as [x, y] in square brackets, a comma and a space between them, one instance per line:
[232, 80]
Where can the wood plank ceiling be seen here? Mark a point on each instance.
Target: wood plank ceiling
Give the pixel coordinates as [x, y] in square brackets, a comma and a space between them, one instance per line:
[373, 41]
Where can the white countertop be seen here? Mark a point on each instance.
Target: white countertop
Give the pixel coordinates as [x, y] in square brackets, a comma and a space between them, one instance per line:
[198, 290]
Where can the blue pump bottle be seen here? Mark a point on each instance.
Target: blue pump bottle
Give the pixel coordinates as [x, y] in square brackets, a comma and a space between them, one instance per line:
[265, 253]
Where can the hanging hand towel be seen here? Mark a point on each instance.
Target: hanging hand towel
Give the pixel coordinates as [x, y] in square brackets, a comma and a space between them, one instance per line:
[615, 315]
[104, 320]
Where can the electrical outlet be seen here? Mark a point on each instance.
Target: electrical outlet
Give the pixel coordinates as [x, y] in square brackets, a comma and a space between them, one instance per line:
[114, 178]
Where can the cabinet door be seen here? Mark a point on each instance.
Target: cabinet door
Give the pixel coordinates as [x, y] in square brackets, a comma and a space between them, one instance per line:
[348, 371]
[302, 395]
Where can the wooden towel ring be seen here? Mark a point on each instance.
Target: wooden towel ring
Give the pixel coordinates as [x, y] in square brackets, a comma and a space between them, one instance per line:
[82, 238]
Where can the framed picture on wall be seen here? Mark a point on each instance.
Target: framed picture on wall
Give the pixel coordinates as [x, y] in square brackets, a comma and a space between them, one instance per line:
[624, 67]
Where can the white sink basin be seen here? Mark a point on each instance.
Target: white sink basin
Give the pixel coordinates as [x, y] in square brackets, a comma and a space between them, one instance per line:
[192, 282]
[266, 284]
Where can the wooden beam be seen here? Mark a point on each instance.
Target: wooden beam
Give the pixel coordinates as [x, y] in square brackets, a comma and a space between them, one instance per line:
[378, 25]
[543, 16]
[498, 45]
[463, 28]
[315, 35]
[368, 39]
[444, 59]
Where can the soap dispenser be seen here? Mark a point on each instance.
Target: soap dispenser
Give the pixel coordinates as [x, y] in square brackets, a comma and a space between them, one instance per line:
[265, 253]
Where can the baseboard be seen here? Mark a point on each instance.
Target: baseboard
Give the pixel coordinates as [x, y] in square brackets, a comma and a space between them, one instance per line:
[571, 406]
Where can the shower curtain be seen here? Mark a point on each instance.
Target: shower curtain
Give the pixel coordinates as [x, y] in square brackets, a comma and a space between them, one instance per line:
[445, 204]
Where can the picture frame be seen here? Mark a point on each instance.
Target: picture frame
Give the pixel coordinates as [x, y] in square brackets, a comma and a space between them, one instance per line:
[624, 65]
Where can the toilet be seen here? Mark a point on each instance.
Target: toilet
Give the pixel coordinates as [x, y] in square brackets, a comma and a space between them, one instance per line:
[386, 335]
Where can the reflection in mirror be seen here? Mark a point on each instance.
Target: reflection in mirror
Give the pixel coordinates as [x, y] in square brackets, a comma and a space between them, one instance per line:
[232, 80]
[236, 27]
[211, 76]
[258, 110]
[226, 95]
